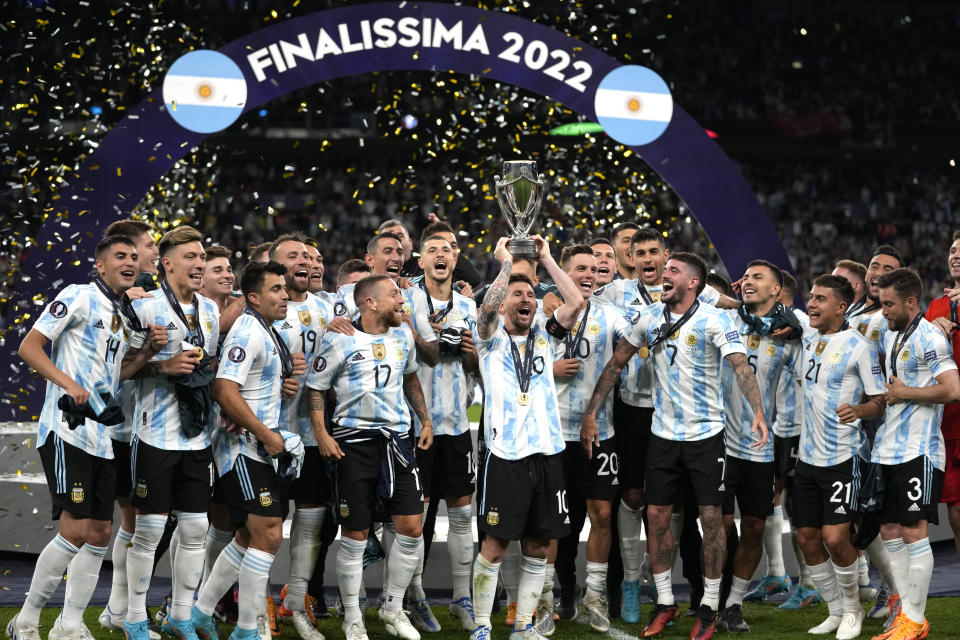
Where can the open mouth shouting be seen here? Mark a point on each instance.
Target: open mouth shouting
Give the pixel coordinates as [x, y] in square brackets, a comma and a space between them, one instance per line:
[954, 265]
[196, 279]
[128, 274]
[586, 285]
[749, 290]
[525, 311]
[441, 267]
[667, 286]
[302, 278]
[393, 270]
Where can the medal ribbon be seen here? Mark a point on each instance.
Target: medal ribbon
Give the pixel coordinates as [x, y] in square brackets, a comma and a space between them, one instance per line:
[953, 312]
[523, 365]
[666, 329]
[570, 343]
[444, 312]
[121, 304]
[862, 310]
[177, 309]
[642, 290]
[286, 360]
[901, 340]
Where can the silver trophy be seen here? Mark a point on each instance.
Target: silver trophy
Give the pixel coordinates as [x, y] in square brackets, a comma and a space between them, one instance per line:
[520, 193]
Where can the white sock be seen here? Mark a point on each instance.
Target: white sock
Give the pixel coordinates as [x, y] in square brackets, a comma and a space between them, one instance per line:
[305, 545]
[146, 539]
[631, 530]
[825, 578]
[415, 589]
[711, 592]
[81, 581]
[676, 527]
[460, 548]
[254, 575]
[738, 589]
[899, 565]
[388, 533]
[863, 570]
[849, 586]
[597, 576]
[118, 583]
[546, 592]
[217, 540]
[188, 562]
[773, 543]
[921, 569]
[47, 574]
[172, 554]
[664, 584]
[528, 591]
[349, 576]
[224, 573]
[510, 571]
[405, 555]
[484, 589]
[806, 580]
[881, 560]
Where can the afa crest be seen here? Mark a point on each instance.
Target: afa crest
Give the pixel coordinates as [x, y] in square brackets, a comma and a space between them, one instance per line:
[141, 489]
[191, 323]
[875, 335]
[541, 341]
[753, 342]
[379, 351]
[344, 509]
[905, 355]
[594, 329]
[771, 350]
[836, 357]
[305, 318]
[691, 340]
[407, 308]
[655, 296]
[265, 498]
[493, 517]
[76, 494]
[398, 355]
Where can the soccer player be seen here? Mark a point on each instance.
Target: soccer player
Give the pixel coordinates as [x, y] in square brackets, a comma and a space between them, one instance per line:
[589, 476]
[687, 342]
[259, 253]
[113, 614]
[922, 376]
[256, 459]
[943, 313]
[868, 320]
[750, 471]
[372, 371]
[606, 261]
[446, 468]
[464, 275]
[316, 269]
[837, 367]
[171, 445]
[88, 327]
[523, 496]
[218, 277]
[856, 274]
[351, 272]
[623, 247]
[302, 332]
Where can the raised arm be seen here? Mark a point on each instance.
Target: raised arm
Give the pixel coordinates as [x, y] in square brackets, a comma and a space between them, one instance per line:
[488, 315]
[567, 313]
[750, 389]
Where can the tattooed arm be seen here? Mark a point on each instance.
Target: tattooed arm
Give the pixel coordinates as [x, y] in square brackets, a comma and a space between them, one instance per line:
[317, 403]
[414, 395]
[589, 431]
[747, 382]
[488, 315]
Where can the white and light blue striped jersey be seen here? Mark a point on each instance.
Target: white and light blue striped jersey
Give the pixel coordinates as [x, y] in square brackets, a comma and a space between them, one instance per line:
[636, 381]
[835, 369]
[88, 340]
[251, 360]
[874, 328]
[302, 331]
[127, 397]
[910, 429]
[158, 413]
[789, 394]
[414, 304]
[688, 394]
[366, 372]
[325, 297]
[446, 386]
[605, 326]
[514, 431]
[770, 359]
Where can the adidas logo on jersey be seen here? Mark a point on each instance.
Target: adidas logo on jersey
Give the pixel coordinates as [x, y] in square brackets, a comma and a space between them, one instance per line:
[723, 487]
[840, 510]
[616, 482]
[566, 520]
[914, 507]
[171, 326]
[286, 325]
[98, 324]
[357, 358]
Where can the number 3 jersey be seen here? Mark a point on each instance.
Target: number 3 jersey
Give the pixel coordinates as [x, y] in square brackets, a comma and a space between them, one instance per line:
[302, 331]
[688, 394]
[834, 369]
[911, 429]
[366, 373]
[89, 339]
[599, 333]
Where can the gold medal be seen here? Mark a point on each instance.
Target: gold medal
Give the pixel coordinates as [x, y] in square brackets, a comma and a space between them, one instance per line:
[644, 352]
[523, 399]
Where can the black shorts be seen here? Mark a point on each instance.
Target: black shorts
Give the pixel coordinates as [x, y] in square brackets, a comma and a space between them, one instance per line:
[911, 492]
[358, 474]
[593, 479]
[165, 481]
[632, 426]
[313, 484]
[80, 483]
[750, 484]
[446, 468]
[252, 487]
[785, 452]
[121, 455]
[668, 461]
[523, 498]
[826, 495]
